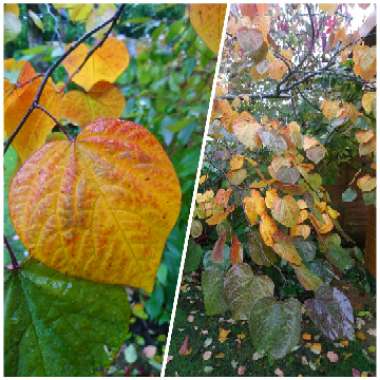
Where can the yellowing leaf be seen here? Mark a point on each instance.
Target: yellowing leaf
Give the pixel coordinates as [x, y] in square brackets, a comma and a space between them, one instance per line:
[277, 69]
[366, 183]
[236, 162]
[300, 230]
[286, 211]
[267, 229]
[369, 101]
[77, 12]
[98, 15]
[208, 21]
[12, 8]
[223, 334]
[103, 100]
[307, 279]
[100, 207]
[330, 108]
[332, 213]
[246, 133]
[303, 215]
[270, 197]
[287, 251]
[219, 217]
[106, 64]
[254, 205]
[322, 227]
[328, 8]
[203, 179]
[364, 136]
[38, 126]
[364, 58]
[236, 177]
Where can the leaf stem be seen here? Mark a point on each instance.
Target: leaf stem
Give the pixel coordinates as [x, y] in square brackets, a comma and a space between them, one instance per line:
[15, 264]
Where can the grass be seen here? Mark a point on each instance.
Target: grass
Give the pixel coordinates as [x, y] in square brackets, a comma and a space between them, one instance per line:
[238, 352]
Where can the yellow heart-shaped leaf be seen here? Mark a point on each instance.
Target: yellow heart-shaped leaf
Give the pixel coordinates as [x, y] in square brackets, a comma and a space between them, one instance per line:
[100, 207]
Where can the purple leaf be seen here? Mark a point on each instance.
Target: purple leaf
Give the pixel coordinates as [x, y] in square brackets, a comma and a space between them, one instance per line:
[332, 313]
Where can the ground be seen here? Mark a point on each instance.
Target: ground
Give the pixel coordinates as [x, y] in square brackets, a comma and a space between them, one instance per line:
[235, 355]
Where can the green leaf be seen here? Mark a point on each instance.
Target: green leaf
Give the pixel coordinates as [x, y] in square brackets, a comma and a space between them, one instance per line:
[306, 248]
[369, 198]
[275, 327]
[349, 195]
[340, 257]
[242, 289]
[56, 325]
[193, 257]
[213, 295]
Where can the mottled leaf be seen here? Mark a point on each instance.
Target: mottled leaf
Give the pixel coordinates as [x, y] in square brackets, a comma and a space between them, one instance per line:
[213, 291]
[243, 289]
[275, 327]
[332, 313]
[259, 252]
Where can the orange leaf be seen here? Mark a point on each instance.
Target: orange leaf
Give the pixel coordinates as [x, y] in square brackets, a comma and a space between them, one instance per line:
[300, 230]
[236, 162]
[364, 58]
[106, 64]
[236, 250]
[218, 250]
[208, 21]
[322, 228]
[246, 133]
[100, 207]
[222, 197]
[103, 100]
[38, 126]
[277, 69]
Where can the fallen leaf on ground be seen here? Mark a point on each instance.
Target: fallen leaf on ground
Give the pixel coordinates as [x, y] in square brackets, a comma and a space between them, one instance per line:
[185, 347]
[223, 334]
[207, 355]
[332, 356]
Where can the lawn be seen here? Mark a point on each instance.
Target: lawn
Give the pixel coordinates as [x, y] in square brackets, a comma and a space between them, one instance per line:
[235, 355]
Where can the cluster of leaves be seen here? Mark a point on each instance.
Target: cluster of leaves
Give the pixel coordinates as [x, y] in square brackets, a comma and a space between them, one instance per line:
[75, 189]
[262, 189]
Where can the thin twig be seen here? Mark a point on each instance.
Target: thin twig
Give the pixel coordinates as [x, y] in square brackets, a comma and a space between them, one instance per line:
[53, 67]
[58, 124]
[15, 264]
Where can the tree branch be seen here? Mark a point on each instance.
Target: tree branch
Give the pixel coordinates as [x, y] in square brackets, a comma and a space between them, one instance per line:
[55, 65]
